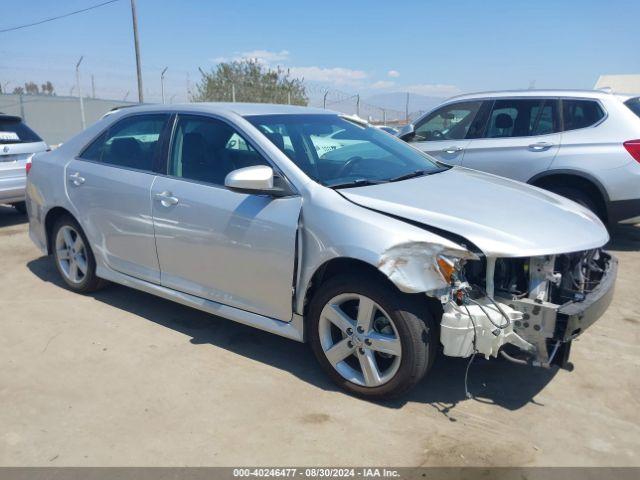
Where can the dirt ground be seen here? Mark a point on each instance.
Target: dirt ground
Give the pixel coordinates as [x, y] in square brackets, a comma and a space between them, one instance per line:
[122, 378]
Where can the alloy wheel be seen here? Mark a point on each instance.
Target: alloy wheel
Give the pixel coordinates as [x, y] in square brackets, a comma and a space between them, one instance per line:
[360, 340]
[71, 254]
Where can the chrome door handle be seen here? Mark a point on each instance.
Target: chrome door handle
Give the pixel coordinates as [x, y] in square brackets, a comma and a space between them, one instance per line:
[452, 149]
[166, 199]
[76, 179]
[540, 146]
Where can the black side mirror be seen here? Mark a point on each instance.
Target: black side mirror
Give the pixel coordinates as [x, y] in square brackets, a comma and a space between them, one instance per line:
[407, 132]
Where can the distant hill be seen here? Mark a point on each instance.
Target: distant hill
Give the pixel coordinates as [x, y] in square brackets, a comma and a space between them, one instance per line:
[370, 106]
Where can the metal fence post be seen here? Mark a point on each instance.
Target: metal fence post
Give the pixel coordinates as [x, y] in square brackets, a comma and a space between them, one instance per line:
[21, 107]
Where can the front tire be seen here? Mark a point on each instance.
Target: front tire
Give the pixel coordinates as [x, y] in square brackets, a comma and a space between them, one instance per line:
[73, 257]
[371, 339]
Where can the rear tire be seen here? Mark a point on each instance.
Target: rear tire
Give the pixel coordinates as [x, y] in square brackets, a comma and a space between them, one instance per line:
[73, 257]
[21, 207]
[380, 362]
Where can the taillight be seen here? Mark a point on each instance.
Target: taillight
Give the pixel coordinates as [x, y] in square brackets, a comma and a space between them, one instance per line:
[633, 147]
[28, 166]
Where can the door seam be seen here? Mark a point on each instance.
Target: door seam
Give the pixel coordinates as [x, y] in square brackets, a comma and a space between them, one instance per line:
[153, 225]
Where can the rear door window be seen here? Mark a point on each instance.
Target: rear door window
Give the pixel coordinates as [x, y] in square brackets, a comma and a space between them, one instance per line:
[634, 105]
[522, 118]
[13, 130]
[133, 142]
[581, 113]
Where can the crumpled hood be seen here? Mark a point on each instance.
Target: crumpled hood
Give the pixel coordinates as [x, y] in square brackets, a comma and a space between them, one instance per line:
[502, 217]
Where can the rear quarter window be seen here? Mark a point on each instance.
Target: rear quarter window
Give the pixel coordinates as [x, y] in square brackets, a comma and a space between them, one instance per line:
[581, 113]
[634, 105]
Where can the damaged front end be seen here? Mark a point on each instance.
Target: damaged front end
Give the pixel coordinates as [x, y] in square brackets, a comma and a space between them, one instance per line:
[528, 309]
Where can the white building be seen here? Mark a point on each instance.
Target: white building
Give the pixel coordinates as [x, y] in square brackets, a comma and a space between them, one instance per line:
[620, 83]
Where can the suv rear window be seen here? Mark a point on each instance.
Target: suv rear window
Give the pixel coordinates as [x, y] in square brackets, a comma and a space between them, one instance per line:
[522, 118]
[13, 130]
[581, 113]
[634, 105]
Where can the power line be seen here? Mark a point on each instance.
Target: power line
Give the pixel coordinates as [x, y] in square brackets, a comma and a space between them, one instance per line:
[58, 17]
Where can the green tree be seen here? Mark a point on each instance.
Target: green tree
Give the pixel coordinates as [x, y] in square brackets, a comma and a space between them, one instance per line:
[252, 82]
[31, 88]
[47, 88]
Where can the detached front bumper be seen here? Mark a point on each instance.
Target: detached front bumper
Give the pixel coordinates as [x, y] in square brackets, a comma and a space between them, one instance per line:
[551, 327]
[575, 317]
[542, 330]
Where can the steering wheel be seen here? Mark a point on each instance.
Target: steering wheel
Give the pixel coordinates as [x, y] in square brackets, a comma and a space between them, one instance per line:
[348, 165]
[437, 134]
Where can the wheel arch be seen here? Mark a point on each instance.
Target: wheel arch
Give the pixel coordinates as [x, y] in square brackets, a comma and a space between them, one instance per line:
[349, 265]
[575, 179]
[50, 220]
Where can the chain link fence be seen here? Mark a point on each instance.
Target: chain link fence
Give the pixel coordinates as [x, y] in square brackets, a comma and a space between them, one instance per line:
[55, 118]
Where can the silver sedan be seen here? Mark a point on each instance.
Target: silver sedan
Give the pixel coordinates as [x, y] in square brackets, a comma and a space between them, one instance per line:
[370, 250]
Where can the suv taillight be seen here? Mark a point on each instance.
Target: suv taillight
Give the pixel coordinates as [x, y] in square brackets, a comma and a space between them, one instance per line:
[633, 147]
[28, 167]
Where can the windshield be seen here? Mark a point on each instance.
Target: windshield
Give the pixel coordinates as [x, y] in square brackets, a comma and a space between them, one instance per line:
[337, 152]
[634, 105]
[12, 130]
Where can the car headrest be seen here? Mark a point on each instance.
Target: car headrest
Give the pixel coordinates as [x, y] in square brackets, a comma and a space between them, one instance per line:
[276, 138]
[125, 148]
[219, 136]
[194, 148]
[503, 121]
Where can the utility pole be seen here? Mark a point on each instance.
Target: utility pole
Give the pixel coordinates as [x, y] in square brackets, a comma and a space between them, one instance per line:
[162, 82]
[134, 18]
[80, 92]
[358, 105]
[406, 109]
[233, 92]
[93, 87]
[289, 98]
[324, 99]
[384, 116]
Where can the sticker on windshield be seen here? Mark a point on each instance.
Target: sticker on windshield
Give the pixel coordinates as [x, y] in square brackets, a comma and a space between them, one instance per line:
[9, 136]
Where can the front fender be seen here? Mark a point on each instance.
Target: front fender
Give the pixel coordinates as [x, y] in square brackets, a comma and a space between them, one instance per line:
[405, 253]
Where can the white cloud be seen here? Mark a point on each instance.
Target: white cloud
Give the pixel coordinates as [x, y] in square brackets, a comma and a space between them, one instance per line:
[265, 57]
[433, 89]
[393, 73]
[382, 84]
[335, 75]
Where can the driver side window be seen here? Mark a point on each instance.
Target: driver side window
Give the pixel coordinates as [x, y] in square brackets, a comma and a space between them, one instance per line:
[451, 122]
[206, 150]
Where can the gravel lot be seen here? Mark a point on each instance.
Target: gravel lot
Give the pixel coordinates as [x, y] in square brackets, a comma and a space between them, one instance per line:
[124, 378]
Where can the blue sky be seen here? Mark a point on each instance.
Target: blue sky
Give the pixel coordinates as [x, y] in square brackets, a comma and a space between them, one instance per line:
[434, 48]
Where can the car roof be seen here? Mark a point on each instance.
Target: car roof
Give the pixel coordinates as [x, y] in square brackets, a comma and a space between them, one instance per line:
[239, 108]
[542, 93]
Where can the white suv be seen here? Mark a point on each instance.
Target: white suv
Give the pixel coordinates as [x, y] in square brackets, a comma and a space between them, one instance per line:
[584, 145]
